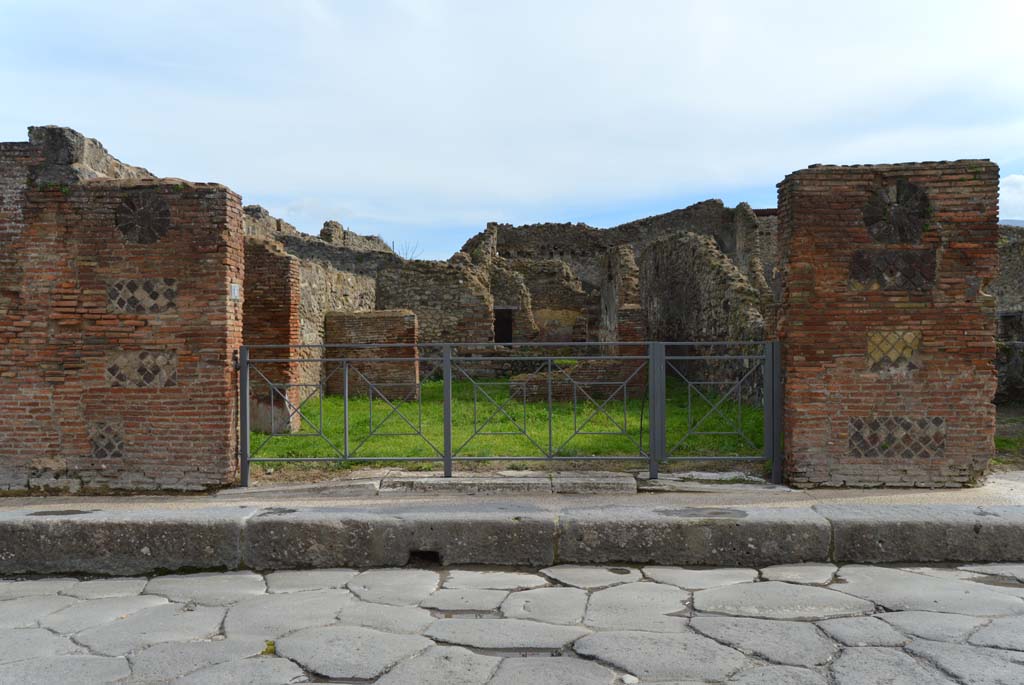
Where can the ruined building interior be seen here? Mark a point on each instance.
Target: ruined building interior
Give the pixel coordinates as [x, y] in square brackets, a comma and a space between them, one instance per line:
[115, 283]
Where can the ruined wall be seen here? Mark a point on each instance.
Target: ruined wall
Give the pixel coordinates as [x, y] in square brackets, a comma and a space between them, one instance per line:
[452, 300]
[337, 270]
[117, 325]
[562, 310]
[691, 291]
[271, 317]
[397, 380]
[888, 330]
[621, 316]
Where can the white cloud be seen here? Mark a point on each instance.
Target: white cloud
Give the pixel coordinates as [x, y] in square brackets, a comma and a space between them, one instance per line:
[1011, 197]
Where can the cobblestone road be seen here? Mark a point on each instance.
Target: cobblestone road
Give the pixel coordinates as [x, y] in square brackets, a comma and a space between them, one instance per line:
[792, 625]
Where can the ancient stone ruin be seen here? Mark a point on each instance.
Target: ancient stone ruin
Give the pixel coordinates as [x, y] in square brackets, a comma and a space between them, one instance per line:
[124, 299]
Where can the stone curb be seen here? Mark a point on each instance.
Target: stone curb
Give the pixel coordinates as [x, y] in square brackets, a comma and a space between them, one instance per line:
[129, 543]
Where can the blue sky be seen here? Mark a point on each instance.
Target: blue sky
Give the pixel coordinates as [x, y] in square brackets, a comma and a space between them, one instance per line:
[422, 120]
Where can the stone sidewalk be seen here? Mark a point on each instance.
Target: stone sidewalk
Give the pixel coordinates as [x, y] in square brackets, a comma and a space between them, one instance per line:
[808, 624]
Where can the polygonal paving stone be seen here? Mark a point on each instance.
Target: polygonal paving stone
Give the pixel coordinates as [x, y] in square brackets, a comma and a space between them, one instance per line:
[167, 623]
[663, 656]
[465, 600]
[168, 660]
[801, 574]
[592, 577]
[1015, 571]
[778, 675]
[443, 666]
[874, 665]
[81, 668]
[26, 612]
[11, 589]
[96, 612]
[215, 589]
[863, 631]
[492, 580]
[972, 665]
[901, 591]
[302, 581]
[261, 670]
[559, 605]
[31, 643]
[552, 671]
[349, 651]
[947, 573]
[933, 625]
[1001, 633]
[699, 579]
[503, 633]
[396, 586]
[779, 600]
[782, 642]
[270, 616]
[391, 619]
[638, 606]
[102, 588]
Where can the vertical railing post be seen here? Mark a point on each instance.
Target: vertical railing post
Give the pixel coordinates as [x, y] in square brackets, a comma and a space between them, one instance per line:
[768, 391]
[243, 414]
[778, 455]
[656, 403]
[446, 367]
[344, 376]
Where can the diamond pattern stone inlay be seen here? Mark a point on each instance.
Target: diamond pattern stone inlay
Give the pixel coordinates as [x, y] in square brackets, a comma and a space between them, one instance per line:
[142, 296]
[143, 218]
[898, 436]
[107, 440]
[892, 270]
[893, 350]
[143, 369]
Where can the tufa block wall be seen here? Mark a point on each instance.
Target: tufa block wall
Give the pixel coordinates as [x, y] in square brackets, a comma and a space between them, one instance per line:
[398, 380]
[888, 329]
[117, 326]
[271, 317]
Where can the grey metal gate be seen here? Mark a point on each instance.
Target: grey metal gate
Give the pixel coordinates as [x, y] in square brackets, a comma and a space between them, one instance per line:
[652, 402]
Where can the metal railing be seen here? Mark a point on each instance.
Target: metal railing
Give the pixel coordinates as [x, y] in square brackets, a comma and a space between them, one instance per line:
[653, 402]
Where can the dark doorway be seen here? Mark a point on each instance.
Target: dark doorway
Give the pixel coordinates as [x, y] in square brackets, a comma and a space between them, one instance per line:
[504, 320]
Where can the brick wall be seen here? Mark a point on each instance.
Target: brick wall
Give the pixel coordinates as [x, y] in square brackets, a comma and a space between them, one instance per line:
[398, 379]
[887, 327]
[271, 317]
[117, 325]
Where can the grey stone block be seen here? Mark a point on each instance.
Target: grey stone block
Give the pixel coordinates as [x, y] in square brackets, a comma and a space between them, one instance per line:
[320, 538]
[592, 484]
[925, 533]
[323, 538]
[396, 486]
[120, 542]
[692, 536]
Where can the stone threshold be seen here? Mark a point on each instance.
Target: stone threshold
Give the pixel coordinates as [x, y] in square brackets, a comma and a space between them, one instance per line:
[406, 483]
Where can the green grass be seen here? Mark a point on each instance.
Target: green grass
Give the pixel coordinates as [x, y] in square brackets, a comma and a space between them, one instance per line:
[506, 438]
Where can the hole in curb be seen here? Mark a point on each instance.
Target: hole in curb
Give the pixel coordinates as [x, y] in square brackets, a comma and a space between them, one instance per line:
[62, 512]
[619, 571]
[424, 557]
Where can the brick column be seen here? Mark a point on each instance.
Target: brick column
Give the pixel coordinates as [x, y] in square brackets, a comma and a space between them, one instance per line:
[888, 330]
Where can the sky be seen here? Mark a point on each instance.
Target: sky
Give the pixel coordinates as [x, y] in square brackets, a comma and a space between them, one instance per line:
[421, 120]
